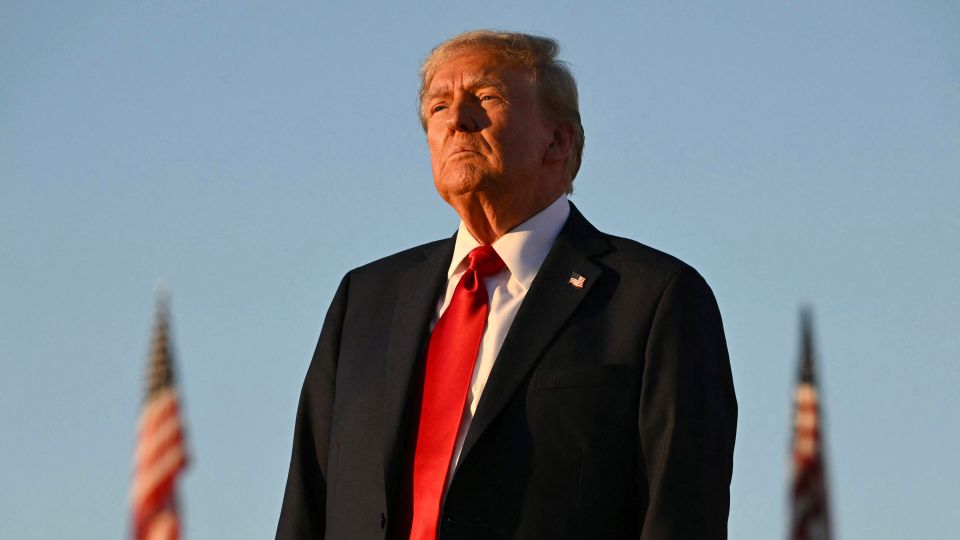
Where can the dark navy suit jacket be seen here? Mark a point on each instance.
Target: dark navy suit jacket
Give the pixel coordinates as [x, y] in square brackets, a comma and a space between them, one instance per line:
[609, 413]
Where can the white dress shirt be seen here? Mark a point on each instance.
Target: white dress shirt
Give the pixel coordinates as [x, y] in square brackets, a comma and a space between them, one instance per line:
[522, 250]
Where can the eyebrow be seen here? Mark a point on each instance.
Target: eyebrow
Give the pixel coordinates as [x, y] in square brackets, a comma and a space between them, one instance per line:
[471, 83]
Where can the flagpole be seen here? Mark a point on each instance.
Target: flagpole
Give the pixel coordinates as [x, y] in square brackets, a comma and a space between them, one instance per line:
[809, 508]
[161, 455]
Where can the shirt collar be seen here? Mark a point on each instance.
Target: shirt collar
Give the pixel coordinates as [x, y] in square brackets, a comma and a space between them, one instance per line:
[524, 248]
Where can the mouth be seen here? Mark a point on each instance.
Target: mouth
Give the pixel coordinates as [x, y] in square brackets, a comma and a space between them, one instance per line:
[462, 151]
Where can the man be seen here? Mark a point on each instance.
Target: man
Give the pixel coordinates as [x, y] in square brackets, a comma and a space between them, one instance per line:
[531, 377]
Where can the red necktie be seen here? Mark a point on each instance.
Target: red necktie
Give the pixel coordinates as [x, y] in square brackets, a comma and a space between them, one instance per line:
[451, 355]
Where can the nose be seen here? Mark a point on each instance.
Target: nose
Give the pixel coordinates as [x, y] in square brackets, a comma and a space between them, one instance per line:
[463, 115]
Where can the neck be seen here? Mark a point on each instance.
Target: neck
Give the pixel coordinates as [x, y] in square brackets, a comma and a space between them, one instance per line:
[488, 218]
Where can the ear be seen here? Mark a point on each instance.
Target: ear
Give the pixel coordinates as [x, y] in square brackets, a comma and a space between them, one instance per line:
[561, 144]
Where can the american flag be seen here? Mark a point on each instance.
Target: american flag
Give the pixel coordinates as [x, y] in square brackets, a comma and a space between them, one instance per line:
[160, 454]
[810, 516]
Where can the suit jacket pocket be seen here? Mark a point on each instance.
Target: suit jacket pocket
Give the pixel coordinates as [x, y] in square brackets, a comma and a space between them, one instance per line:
[580, 377]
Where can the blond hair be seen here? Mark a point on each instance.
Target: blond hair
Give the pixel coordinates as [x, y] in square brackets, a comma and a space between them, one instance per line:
[552, 78]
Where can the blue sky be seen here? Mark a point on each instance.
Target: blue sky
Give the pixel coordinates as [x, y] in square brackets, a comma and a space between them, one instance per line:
[250, 154]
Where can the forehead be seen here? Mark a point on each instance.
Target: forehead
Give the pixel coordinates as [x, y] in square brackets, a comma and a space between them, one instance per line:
[477, 67]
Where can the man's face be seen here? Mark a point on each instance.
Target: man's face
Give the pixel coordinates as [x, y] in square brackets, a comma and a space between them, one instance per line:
[484, 127]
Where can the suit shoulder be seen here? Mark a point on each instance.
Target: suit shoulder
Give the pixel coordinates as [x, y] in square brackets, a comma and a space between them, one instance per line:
[397, 262]
[650, 266]
[635, 254]
[660, 278]
[638, 266]
[622, 254]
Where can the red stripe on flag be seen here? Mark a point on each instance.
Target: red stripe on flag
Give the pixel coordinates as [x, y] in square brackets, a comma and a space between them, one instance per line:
[160, 454]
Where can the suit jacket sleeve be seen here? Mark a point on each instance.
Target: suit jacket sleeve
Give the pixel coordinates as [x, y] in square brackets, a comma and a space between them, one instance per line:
[687, 416]
[303, 514]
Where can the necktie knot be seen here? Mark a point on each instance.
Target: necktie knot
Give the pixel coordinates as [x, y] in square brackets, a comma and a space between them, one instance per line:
[484, 261]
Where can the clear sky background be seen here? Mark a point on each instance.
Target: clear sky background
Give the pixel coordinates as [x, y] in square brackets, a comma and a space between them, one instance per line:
[249, 155]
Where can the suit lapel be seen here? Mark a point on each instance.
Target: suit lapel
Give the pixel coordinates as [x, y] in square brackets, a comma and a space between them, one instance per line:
[547, 306]
[419, 288]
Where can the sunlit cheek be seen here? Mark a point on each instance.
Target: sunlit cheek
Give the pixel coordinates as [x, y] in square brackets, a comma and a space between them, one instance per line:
[435, 146]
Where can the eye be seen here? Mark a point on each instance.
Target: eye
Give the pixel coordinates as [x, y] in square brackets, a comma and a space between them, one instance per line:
[437, 108]
[488, 97]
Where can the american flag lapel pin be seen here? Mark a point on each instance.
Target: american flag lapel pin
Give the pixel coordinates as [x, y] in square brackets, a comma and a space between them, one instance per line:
[577, 280]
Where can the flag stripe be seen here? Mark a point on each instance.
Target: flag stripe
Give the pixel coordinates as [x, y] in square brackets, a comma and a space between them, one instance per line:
[167, 464]
[164, 527]
[160, 454]
[159, 437]
[809, 516]
[158, 406]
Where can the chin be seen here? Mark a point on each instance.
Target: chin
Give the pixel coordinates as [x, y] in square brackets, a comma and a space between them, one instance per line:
[462, 181]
